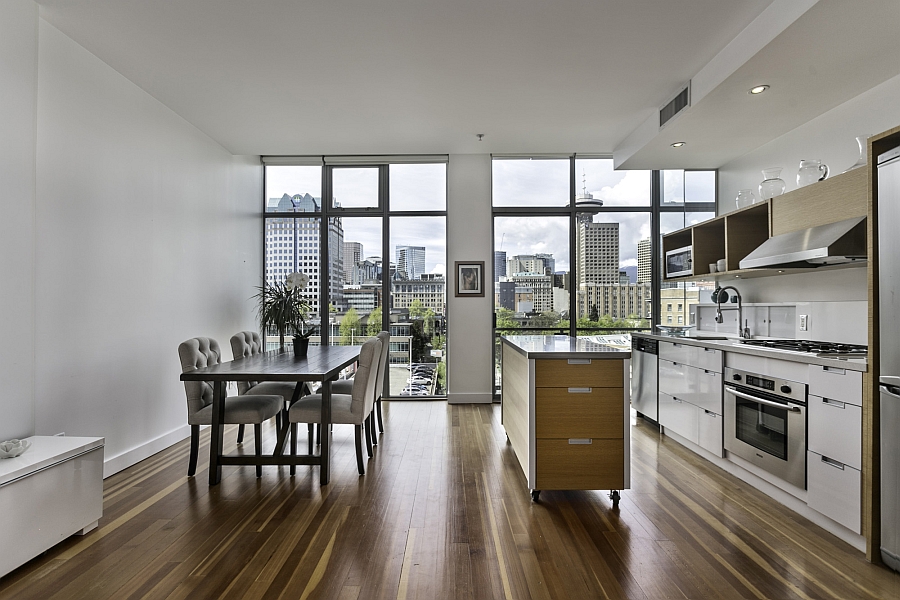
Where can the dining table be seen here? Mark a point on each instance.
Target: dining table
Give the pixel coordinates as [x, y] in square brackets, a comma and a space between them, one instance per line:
[321, 363]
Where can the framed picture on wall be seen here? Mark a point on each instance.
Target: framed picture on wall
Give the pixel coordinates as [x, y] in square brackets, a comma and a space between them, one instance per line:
[470, 278]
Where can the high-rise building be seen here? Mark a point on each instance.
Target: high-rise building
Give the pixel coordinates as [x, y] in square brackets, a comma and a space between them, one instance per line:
[597, 252]
[353, 253]
[644, 271]
[430, 290]
[499, 265]
[541, 288]
[531, 263]
[619, 301]
[292, 244]
[411, 260]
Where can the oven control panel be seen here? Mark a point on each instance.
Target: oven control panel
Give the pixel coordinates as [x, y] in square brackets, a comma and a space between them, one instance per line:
[783, 388]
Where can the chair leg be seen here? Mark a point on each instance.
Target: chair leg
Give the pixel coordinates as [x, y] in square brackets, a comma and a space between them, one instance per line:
[368, 425]
[257, 439]
[294, 445]
[373, 433]
[309, 439]
[359, 459]
[195, 447]
[318, 434]
[378, 410]
[240, 439]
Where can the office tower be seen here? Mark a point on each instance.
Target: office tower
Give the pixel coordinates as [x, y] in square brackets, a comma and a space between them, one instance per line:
[531, 263]
[597, 252]
[292, 244]
[411, 260]
[353, 253]
[644, 261]
[499, 265]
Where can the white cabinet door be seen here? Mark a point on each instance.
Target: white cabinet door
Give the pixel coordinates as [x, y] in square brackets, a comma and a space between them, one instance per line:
[707, 390]
[834, 489]
[835, 430]
[706, 358]
[674, 379]
[679, 353]
[710, 432]
[680, 417]
[837, 384]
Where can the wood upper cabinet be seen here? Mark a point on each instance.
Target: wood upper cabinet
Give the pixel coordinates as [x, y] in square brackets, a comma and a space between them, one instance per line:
[734, 235]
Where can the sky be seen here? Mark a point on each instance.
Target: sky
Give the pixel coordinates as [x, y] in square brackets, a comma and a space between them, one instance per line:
[516, 182]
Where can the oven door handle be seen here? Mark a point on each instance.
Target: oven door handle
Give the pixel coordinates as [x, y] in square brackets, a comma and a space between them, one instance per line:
[786, 407]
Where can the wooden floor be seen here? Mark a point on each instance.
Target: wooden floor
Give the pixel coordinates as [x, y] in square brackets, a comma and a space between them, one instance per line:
[443, 512]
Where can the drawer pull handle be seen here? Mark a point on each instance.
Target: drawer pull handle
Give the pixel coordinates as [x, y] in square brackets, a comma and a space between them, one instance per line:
[835, 370]
[833, 463]
[579, 361]
[834, 403]
[708, 350]
[676, 399]
[709, 412]
[581, 441]
[580, 390]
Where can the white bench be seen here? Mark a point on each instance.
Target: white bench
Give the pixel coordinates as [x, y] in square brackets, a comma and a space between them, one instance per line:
[48, 493]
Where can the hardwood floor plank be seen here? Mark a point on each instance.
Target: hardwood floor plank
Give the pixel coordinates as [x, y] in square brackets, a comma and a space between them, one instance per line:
[443, 512]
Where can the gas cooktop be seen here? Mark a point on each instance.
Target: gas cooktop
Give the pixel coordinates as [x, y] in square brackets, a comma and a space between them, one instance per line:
[810, 346]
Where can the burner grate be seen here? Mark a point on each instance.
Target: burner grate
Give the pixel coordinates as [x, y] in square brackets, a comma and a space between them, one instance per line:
[809, 346]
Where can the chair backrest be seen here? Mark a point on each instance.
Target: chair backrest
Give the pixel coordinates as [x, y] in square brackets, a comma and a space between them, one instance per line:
[363, 394]
[197, 353]
[385, 338]
[243, 344]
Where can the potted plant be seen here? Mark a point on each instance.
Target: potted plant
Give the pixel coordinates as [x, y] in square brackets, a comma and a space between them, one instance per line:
[283, 306]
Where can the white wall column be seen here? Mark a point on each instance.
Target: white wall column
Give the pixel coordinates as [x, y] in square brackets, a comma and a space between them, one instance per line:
[470, 363]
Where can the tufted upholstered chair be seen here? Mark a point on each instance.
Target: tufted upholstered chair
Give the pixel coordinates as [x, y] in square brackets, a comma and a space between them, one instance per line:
[248, 343]
[350, 409]
[345, 386]
[200, 352]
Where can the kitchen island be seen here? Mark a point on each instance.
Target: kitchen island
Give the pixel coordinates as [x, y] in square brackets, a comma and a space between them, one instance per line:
[565, 412]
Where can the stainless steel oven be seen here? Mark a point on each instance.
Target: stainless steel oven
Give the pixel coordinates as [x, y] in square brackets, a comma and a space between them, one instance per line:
[765, 423]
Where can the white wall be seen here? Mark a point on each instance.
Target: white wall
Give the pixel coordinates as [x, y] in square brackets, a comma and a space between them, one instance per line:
[147, 233]
[18, 90]
[469, 320]
[831, 138]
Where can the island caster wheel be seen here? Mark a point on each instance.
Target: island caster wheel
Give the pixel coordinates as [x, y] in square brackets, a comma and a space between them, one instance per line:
[615, 497]
[535, 495]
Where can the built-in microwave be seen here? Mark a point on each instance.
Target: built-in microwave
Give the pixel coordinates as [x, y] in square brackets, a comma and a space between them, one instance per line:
[679, 263]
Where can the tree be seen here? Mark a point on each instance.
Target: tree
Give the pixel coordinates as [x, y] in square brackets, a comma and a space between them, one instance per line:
[350, 327]
[595, 314]
[505, 319]
[441, 375]
[373, 327]
[416, 309]
[545, 319]
[429, 322]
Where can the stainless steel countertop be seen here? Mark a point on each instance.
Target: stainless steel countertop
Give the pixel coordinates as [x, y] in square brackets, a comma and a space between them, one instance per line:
[563, 346]
[734, 345]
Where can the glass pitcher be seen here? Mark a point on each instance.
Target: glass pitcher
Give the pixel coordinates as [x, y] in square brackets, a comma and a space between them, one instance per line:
[811, 171]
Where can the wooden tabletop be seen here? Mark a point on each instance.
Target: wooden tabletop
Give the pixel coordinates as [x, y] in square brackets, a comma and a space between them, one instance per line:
[320, 363]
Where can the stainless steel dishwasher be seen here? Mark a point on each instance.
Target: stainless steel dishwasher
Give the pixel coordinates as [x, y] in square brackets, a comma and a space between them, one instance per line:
[645, 377]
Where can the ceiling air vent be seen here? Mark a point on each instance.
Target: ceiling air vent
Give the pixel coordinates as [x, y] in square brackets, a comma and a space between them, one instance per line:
[681, 101]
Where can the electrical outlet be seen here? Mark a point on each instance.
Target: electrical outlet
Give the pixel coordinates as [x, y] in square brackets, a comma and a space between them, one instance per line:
[60, 434]
[804, 322]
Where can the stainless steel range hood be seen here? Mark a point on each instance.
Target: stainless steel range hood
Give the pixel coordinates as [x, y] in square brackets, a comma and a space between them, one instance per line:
[833, 244]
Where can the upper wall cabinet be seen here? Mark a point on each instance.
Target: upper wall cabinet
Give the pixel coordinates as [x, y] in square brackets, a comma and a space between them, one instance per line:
[734, 235]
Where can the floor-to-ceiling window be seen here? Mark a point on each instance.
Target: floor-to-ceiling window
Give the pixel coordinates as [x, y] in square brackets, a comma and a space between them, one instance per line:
[374, 251]
[577, 245]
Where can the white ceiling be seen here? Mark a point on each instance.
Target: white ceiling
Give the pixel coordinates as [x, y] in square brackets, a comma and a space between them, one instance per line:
[425, 76]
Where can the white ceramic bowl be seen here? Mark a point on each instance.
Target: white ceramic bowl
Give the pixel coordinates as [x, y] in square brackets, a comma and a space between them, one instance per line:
[13, 448]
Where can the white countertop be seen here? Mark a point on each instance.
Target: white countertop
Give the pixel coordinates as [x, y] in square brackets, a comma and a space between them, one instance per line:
[563, 346]
[45, 451]
[734, 345]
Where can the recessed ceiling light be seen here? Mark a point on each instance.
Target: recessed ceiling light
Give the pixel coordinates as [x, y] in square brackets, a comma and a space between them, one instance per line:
[758, 89]
[678, 144]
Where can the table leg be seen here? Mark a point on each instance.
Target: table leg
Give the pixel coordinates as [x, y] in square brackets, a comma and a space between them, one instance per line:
[216, 433]
[325, 428]
[285, 421]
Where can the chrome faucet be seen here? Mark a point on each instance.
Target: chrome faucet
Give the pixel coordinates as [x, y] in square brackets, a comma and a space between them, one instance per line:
[720, 295]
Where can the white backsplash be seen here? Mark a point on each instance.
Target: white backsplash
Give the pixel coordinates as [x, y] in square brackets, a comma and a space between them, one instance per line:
[843, 322]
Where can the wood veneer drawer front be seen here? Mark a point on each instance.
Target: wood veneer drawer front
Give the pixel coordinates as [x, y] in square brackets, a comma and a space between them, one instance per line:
[577, 413]
[599, 465]
[560, 372]
[836, 384]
